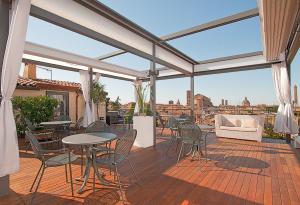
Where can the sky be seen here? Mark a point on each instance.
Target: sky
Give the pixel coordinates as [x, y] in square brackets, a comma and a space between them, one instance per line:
[165, 17]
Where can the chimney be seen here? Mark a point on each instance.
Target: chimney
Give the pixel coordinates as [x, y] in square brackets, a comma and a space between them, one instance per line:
[29, 71]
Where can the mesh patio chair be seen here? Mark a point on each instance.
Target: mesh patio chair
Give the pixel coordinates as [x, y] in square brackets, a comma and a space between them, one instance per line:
[39, 132]
[162, 123]
[77, 128]
[63, 130]
[175, 138]
[98, 126]
[64, 118]
[191, 135]
[60, 157]
[112, 159]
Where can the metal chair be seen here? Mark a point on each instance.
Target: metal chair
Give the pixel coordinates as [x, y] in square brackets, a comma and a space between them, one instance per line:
[162, 123]
[98, 126]
[175, 137]
[39, 132]
[64, 118]
[77, 128]
[115, 157]
[62, 157]
[191, 135]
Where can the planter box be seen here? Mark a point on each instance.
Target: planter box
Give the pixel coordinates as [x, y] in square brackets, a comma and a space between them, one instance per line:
[144, 126]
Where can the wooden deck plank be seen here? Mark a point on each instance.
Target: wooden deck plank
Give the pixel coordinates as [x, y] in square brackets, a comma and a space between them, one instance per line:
[239, 172]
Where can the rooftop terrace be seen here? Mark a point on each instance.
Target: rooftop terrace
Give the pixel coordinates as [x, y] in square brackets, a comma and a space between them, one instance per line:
[238, 172]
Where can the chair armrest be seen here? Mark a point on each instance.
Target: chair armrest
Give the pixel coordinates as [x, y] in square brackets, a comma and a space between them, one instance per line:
[42, 133]
[50, 142]
[261, 122]
[55, 151]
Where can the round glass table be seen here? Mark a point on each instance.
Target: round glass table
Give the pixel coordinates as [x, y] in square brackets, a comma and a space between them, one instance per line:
[87, 141]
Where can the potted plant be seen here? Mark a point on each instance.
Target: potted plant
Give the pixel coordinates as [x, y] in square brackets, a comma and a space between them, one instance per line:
[143, 120]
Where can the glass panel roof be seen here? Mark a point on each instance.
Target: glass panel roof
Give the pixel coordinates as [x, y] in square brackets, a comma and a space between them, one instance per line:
[53, 36]
[236, 38]
[168, 16]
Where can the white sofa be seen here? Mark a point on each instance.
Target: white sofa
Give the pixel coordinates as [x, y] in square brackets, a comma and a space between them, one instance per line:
[246, 127]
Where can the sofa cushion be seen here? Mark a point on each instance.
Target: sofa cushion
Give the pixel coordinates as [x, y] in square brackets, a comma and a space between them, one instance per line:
[241, 129]
[248, 123]
[231, 122]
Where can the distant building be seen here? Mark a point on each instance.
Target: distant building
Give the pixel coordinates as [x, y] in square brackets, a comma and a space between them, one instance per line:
[188, 97]
[295, 95]
[178, 102]
[202, 101]
[226, 102]
[246, 102]
[171, 102]
[222, 102]
[199, 100]
[68, 94]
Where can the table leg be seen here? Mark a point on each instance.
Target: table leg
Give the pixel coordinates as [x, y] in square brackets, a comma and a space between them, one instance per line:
[86, 174]
[100, 177]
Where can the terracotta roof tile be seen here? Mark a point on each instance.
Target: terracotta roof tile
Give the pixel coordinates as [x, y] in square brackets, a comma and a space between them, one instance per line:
[46, 84]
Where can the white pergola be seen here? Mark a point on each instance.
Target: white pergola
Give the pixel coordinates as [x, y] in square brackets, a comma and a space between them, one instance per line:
[279, 24]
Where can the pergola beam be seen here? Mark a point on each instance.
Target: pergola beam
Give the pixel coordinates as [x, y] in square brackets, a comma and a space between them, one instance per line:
[90, 18]
[196, 29]
[67, 58]
[213, 24]
[112, 54]
[235, 63]
[69, 68]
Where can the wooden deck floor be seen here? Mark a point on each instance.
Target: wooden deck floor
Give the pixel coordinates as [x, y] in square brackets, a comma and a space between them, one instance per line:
[239, 172]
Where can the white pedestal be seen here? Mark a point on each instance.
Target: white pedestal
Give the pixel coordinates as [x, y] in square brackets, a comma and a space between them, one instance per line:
[144, 126]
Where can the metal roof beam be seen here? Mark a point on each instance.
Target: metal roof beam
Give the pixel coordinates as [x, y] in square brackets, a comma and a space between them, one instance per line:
[235, 63]
[213, 24]
[66, 58]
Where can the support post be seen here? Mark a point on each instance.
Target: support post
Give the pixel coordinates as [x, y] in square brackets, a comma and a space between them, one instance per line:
[288, 137]
[4, 29]
[153, 92]
[91, 86]
[192, 104]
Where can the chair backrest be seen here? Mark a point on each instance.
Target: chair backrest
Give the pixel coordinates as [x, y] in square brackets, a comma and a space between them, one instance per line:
[78, 124]
[190, 132]
[124, 145]
[64, 118]
[35, 145]
[173, 122]
[29, 124]
[98, 126]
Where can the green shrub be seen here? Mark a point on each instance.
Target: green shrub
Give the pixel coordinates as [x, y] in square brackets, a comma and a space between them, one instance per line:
[269, 133]
[36, 109]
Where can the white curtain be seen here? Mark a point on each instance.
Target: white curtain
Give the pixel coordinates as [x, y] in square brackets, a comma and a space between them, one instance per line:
[284, 121]
[137, 85]
[9, 151]
[85, 86]
[94, 106]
